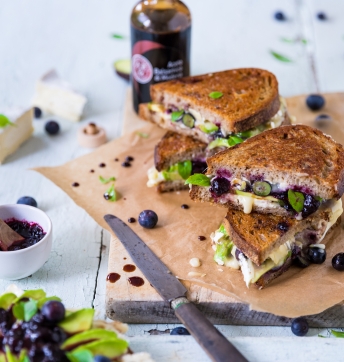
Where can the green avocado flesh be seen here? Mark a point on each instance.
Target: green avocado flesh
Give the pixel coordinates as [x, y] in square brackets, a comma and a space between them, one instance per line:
[178, 171]
[88, 336]
[78, 321]
[223, 252]
[109, 348]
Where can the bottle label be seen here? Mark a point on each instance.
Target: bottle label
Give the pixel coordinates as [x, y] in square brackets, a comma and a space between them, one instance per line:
[142, 69]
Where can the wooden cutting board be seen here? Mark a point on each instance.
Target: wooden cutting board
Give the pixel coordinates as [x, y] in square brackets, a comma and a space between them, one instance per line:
[130, 304]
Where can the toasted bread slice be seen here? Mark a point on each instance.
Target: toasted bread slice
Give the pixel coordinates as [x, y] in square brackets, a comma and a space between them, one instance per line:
[249, 98]
[294, 157]
[168, 186]
[174, 147]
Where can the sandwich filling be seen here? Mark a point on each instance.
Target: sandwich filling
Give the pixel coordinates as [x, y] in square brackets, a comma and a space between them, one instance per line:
[189, 118]
[294, 250]
[256, 192]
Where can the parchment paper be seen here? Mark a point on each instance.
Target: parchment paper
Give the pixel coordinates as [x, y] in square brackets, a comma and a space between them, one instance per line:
[175, 239]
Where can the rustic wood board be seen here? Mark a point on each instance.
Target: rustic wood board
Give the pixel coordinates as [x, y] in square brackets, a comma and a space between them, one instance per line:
[132, 304]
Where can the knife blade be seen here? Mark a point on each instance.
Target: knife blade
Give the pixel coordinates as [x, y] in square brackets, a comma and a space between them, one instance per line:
[217, 347]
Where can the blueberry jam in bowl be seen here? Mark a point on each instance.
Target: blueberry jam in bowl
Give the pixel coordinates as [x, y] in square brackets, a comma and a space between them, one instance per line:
[25, 257]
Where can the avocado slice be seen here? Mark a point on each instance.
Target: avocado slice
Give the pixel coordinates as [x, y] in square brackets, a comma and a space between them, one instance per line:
[123, 68]
[6, 300]
[36, 294]
[110, 348]
[87, 337]
[208, 127]
[78, 321]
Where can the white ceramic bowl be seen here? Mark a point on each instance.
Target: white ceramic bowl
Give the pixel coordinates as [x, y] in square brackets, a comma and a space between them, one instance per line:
[22, 263]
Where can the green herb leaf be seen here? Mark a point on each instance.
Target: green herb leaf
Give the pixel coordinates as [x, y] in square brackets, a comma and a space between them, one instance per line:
[176, 116]
[118, 36]
[198, 179]
[142, 134]
[24, 311]
[4, 121]
[80, 356]
[321, 336]
[106, 180]
[296, 200]
[111, 192]
[18, 311]
[337, 334]
[215, 95]
[185, 169]
[304, 41]
[223, 230]
[234, 140]
[280, 57]
[288, 40]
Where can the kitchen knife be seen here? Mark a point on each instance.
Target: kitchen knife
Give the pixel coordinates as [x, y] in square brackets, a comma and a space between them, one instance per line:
[172, 290]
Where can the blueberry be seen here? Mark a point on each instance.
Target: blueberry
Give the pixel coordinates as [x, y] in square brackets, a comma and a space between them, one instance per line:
[317, 255]
[129, 159]
[315, 102]
[283, 226]
[198, 167]
[301, 262]
[280, 16]
[148, 219]
[219, 186]
[310, 205]
[299, 327]
[27, 200]
[53, 311]
[338, 261]
[322, 120]
[101, 359]
[179, 331]
[52, 128]
[322, 16]
[37, 112]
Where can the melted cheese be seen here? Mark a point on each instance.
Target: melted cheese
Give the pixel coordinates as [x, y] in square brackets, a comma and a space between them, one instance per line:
[154, 177]
[336, 211]
[247, 203]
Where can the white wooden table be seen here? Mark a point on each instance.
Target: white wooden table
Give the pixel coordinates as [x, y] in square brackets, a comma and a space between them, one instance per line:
[74, 38]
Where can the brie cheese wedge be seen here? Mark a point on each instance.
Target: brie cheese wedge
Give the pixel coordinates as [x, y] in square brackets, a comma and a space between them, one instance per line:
[13, 135]
[56, 96]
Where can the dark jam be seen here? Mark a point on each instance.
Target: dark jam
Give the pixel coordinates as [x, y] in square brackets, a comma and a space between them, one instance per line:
[129, 268]
[160, 40]
[113, 277]
[30, 231]
[136, 281]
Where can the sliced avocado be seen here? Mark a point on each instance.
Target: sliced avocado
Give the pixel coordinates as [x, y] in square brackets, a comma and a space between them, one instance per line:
[6, 300]
[248, 194]
[208, 127]
[80, 356]
[12, 358]
[172, 174]
[88, 336]
[123, 68]
[223, 251]
[156, 107]
[111, 348]
[223, 230]
[218, 142]
[78, 321]
[36, 294]
[260, 270]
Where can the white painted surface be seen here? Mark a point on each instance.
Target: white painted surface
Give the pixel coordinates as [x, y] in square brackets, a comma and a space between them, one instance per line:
[74, 38]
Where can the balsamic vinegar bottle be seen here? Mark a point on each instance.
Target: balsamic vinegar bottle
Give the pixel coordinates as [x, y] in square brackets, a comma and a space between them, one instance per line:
[160, 40]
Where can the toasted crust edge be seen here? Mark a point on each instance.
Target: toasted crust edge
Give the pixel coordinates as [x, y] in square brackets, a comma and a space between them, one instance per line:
[168, 186]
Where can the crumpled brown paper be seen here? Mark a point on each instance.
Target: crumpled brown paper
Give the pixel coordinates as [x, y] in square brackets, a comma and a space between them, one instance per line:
[175, 239]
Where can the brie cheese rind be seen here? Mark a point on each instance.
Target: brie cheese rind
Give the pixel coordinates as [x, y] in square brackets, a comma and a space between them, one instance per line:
[252, 272]
[56, 96]
[12, 136]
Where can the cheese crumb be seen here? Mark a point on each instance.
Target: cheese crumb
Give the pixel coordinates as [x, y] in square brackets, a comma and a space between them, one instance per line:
[195, 262]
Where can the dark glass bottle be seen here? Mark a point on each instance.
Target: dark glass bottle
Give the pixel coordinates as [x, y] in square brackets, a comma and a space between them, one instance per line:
[160, 40]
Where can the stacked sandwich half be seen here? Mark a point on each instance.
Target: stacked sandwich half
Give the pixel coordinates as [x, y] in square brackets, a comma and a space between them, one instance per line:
[206, 114]
[282, 190]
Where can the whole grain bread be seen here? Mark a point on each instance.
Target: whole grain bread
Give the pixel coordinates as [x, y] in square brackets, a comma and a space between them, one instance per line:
[167, 186]
[174, 147]
[256, 235]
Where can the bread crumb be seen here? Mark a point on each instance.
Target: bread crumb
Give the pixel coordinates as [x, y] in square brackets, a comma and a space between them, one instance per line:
[195, 262]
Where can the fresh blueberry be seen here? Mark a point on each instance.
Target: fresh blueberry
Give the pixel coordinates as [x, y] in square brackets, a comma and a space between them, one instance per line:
[315, 102]
[301, 262]
[53, 311]
[179, 331]
[148, 219]
[310, 205]
[280, 16]
[338, 261]
[322, 120]
[317, 255]
[27, 200]
[101, 359]
[322, 16]
[283, 226]
[52, 128]
[299, 327]
[198, 166]
[37, 112]
[219, 186]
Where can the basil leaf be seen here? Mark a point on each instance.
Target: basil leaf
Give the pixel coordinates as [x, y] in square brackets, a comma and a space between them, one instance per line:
[215, 95]
[288, 40]
[185, 169]
[24, 311]
[142, 134]
[176, 116]
[4, 121]
[198, 179]
[222, 230]
[18, 311]
[280, 57]
[111, 192]
[106, 180]
[296, 200]
[337, 334]
[83, 355]
[118, 36]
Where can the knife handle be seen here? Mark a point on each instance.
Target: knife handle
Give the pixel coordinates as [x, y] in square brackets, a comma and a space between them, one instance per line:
[214, 343]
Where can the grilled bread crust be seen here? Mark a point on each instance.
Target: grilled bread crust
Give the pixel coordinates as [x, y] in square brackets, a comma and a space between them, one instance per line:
[295, 155]
[167, 186]
[250, 97]
[174, 147]
[256, 235]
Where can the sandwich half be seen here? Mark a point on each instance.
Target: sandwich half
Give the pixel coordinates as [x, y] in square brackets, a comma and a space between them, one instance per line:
[287, 171]
[219, 109]
[265, 246]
